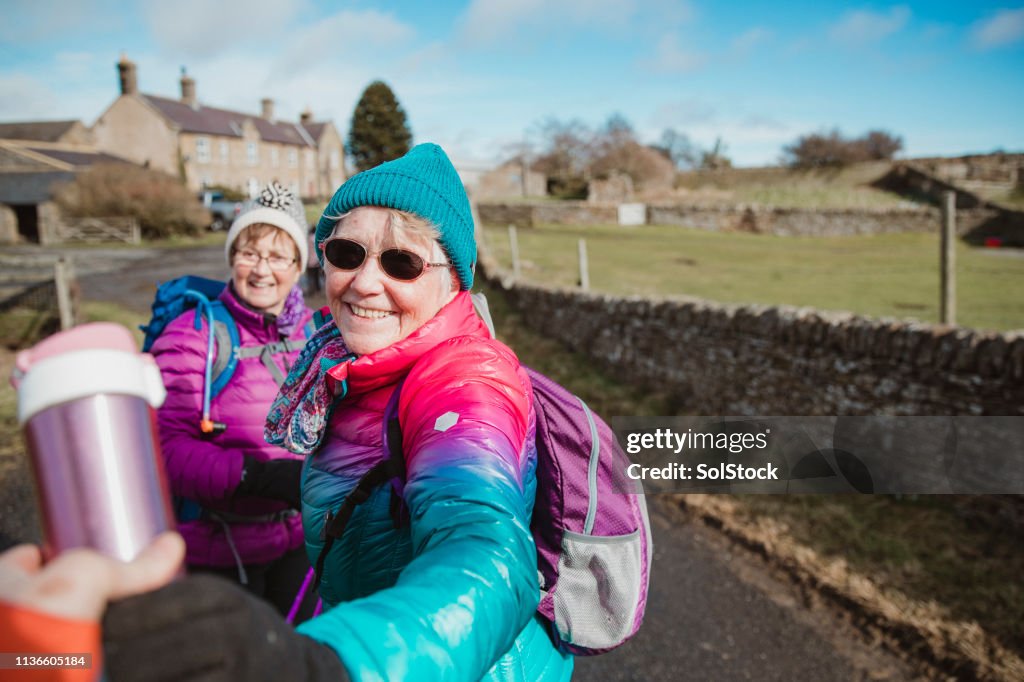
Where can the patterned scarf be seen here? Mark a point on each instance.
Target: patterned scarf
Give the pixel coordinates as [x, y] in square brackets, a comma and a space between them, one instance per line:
[292, 313]
[298, 417]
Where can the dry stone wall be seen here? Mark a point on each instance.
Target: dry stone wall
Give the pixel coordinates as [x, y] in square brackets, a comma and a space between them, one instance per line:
[719, 359]
[792, 222]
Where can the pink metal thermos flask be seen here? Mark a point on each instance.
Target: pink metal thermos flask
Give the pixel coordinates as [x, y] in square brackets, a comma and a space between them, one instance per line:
[86, 401]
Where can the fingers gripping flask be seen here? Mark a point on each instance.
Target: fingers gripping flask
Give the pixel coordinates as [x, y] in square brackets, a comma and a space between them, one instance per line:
[86, 405]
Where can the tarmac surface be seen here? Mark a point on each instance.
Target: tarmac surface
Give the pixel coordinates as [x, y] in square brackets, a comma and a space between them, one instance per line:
[715, 611]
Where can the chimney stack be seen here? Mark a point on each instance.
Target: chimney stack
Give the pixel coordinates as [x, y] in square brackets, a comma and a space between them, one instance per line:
[127, 75]
[268, 108]
[306, 117]
[188, 89]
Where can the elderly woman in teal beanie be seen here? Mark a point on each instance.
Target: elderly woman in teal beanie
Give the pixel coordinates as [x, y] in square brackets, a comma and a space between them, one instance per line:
[434, 575]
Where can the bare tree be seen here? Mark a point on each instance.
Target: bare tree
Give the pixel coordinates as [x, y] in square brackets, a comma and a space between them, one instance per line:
[679, 149]
[831, 149]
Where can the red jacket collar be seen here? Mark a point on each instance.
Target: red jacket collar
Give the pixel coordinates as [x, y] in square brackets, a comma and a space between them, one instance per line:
[389, 365]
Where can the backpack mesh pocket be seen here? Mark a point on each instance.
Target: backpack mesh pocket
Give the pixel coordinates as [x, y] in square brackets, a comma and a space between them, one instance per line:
[598, 592]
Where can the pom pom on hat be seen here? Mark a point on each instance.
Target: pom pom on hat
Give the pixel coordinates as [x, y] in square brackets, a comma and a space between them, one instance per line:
[276, 205]
[423, 182]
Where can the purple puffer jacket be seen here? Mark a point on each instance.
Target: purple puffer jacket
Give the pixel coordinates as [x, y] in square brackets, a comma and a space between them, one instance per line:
[208, 469]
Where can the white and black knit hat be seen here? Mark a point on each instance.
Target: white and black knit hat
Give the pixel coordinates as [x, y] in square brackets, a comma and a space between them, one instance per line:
[278, 206]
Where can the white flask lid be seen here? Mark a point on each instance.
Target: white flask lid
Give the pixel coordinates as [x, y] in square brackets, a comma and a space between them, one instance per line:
[91, 359]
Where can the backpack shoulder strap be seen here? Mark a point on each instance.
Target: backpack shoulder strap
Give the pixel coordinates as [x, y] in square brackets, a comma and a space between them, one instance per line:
[391, 467]
[266, 352]
[335, 524]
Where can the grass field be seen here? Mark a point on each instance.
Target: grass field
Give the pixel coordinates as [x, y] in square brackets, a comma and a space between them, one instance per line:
[892, 275]
[848, 187]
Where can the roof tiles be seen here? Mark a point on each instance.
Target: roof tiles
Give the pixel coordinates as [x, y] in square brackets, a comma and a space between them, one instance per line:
[213, 121]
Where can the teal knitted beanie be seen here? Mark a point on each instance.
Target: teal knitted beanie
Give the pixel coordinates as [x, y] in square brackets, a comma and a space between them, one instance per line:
[423, 182]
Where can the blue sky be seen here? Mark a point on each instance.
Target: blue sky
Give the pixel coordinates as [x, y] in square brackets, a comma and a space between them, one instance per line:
[478, 76]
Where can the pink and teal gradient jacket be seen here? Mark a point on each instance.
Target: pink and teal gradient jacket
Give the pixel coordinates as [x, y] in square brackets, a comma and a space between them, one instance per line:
[452, 595]
[208, 469]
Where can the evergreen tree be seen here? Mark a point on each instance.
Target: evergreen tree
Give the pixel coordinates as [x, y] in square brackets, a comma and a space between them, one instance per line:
[379, 131]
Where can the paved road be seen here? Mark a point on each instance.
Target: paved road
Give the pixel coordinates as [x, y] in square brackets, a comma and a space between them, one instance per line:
[715, 612]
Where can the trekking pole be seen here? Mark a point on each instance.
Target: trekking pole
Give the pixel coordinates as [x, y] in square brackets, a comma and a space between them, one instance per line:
[297, 604]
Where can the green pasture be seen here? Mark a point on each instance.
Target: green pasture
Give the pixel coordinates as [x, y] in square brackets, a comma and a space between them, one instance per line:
[890, 275]
[848, 187]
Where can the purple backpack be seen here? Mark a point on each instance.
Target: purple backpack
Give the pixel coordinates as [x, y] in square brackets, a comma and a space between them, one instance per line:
[590, 524]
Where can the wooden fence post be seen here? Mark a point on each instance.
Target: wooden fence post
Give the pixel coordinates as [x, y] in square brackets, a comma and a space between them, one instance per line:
[62, 276]
[584, 272]
[513, 241]
[947, 260]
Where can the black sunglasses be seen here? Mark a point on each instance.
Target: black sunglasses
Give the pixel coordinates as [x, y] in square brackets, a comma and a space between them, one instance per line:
[405, 266]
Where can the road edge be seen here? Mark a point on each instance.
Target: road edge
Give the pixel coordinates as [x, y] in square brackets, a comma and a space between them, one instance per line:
[921, 630]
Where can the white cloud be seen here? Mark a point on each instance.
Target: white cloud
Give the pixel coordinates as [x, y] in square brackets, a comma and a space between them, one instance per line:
[487, 23]
[859, 27]
[201, 29]
[1004, 28]
[669, 57]
[349, 35]
[38, 20]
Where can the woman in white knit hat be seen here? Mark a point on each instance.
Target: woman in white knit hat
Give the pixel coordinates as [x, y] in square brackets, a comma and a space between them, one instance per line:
[237, 497]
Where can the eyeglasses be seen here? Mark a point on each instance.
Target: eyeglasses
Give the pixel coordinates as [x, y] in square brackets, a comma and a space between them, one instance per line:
[405, 266]
[252, 259]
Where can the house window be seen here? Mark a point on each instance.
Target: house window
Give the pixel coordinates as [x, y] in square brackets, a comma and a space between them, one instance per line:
[203, 149]
[252, 153]
[293, 158]
[273, 157]
[335, 159]
[223, 151]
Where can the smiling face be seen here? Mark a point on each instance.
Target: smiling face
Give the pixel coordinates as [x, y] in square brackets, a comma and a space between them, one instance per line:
[371, 309]
[257, 284]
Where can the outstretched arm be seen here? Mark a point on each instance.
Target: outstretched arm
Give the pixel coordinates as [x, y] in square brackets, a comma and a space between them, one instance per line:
[472, 585]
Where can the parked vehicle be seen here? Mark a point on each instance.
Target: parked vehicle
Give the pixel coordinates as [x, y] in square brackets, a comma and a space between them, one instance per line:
[223, 210]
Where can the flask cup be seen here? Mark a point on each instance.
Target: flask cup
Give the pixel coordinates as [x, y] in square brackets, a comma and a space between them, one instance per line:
[86, 406]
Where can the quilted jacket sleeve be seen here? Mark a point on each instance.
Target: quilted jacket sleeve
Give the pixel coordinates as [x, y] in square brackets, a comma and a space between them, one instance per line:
[26, 630]
[196, 468]
[472, 585]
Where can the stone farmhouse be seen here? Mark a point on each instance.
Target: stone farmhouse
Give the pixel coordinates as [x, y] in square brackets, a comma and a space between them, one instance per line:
[207, 146]
[35, 158]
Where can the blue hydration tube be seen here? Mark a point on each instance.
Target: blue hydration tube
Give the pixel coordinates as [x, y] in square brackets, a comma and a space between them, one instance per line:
[204, 307]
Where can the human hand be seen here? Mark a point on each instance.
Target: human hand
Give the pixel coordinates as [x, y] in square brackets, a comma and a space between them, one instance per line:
[207, 627]
[278, 479]
[79, 583]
